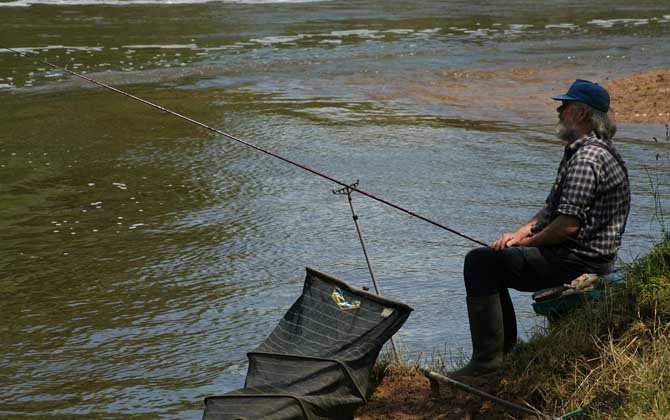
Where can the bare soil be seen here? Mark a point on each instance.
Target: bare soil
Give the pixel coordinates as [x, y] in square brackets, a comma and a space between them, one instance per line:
[641, 98]
[526, 93]
[408, 397]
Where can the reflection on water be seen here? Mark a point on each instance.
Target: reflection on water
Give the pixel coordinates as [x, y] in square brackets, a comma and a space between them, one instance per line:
[143, 257]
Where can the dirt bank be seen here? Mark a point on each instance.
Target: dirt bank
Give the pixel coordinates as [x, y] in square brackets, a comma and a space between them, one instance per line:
[408, 397]
[525, 94]
[641, 98]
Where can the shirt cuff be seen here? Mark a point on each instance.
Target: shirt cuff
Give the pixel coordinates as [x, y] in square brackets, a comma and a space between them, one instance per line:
[572, 210]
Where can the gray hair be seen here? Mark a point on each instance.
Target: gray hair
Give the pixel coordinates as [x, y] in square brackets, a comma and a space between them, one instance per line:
[601, 123]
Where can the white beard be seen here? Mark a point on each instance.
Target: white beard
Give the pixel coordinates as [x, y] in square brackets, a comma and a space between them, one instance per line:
[566, 133]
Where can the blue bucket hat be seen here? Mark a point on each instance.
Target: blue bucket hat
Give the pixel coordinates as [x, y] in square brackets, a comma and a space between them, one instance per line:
[589, 93]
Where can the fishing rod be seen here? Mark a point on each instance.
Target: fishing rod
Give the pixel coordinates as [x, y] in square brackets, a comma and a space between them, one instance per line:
[257, 148]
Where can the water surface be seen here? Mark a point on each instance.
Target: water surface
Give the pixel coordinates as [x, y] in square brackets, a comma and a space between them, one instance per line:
[143, 257]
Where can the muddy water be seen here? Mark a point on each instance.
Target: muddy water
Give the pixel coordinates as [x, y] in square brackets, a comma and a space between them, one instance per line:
[142, 257]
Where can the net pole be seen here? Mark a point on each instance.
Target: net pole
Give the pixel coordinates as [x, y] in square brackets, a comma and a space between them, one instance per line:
[354, 216]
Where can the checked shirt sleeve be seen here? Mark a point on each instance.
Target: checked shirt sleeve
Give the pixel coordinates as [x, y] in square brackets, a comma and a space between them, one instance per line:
[579, 188]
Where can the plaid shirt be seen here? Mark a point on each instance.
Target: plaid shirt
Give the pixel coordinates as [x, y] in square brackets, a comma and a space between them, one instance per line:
[591, 185]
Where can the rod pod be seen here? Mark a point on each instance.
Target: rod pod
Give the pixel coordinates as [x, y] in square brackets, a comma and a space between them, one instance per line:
[347, 190]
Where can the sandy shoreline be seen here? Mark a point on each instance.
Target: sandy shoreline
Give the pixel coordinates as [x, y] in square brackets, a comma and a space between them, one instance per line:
[525, 94]
[641, 98]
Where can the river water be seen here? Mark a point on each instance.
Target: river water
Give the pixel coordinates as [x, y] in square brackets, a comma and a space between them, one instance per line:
[142, 257]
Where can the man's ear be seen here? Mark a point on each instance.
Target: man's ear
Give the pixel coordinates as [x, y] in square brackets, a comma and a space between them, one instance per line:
[582, 114]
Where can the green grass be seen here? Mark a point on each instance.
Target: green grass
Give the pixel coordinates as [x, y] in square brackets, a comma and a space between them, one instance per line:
[611, 357]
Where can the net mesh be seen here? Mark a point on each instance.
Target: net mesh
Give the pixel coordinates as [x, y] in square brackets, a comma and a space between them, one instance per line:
[317, 362]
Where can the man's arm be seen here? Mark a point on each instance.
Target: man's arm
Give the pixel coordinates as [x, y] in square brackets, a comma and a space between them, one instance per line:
[513, 238]
[561, 229]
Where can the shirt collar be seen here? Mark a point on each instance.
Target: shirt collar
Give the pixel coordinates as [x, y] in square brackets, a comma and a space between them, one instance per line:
[571, 148]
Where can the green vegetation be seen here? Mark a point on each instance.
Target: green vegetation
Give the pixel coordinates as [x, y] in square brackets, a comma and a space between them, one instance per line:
[611, 357]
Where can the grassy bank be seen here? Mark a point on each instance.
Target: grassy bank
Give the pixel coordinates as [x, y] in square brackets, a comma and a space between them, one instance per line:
[610, 358]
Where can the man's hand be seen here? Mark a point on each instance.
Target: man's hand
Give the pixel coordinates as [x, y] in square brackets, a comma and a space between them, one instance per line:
[509, 239]
[519, 237]
[562, 228]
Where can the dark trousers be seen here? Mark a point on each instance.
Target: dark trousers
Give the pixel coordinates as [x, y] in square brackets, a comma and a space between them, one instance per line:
[488, 271]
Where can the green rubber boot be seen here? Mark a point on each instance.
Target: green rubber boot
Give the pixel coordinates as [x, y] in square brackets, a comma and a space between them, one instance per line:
[486, 330]
[509, 321]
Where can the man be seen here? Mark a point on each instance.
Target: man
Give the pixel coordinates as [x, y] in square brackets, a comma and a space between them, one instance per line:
[578, 231]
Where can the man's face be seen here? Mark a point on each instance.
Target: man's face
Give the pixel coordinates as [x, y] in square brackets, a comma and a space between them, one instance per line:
[566, 129]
